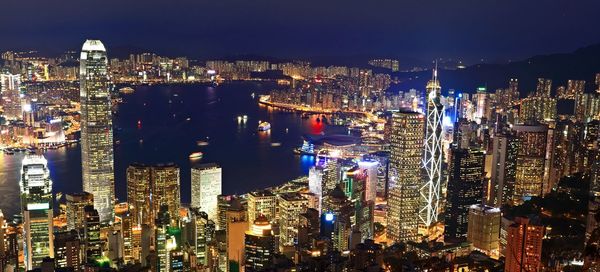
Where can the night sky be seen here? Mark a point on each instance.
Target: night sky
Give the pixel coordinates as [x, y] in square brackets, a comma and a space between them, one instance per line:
[470, 30]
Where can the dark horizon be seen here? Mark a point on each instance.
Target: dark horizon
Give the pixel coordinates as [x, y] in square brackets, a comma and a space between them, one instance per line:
[411, 31]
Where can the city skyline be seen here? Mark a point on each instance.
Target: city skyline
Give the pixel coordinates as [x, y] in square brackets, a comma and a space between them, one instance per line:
[152, 160]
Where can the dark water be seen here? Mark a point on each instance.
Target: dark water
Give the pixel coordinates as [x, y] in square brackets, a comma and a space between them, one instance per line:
[248, 159]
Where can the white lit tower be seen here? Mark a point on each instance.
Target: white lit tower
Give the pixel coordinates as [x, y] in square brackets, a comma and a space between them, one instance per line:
[431, 189]
[96, 128]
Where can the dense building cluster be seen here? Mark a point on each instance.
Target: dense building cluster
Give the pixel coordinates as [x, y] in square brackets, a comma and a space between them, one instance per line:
[427, 181]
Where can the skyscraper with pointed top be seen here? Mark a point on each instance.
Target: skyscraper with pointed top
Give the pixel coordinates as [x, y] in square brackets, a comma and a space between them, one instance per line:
[431, 188]
[96, 128]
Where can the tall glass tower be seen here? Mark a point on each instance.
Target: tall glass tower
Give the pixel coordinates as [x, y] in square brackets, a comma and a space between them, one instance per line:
[36, 199]
[96, 128]
[431, 189]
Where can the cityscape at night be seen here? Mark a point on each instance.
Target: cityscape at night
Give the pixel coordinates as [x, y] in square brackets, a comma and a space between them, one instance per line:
[343, 136]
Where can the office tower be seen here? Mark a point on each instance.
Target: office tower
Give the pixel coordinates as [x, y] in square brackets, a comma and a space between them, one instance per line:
[68, 250]
[206, 186]
[315, 183]
[484, 229]
[226, 203]
[148, 188]
[259, 248]
[290, 206]
[524, 246]
[96, 128]
[482, 102]
[406, 151]
[336, 223]
[331, 176]
[543, 88]
[165, 239]
[36, 206]
[465, 188]
[93, 242]
[537, 109]
[354, 182]
[76, 203]
[308, 229]
[10, 89]
[125, 228]
[431, 189]
[237, 225]
[201, 231]
[139, 192]
[504, 167]
[261, 202]
[531, 161]
[370, 167]
[166, 190]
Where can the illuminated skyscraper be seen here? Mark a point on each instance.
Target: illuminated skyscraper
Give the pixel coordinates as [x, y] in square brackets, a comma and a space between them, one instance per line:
[431, 189]
[504, 169]
[9, 96]
[149, 187]
[259, 245]
[36, 205]
[261, 202]
[544, 87]
[524, 246]
[290, 206]
[484, 229]
[76, 204]
[206, 186]
[96, 128]
[406, 153]
[531, 162]
[465, 188]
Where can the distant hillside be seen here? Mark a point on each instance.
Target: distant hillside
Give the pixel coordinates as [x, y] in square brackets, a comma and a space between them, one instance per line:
[583, 64]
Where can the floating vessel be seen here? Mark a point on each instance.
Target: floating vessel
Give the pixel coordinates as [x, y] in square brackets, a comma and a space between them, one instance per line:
[275, 144]
[264, 126]
[126, 90]
[196, 155]
[202, 143]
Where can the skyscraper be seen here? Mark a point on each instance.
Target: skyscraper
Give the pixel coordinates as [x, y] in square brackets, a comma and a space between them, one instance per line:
[139, 188]
[36, 205]
[259, 249]
[465, 188]
[290, 206]
[504, 167]
[531, 162]
[96, 128]
[431, 189]
[261, 202]
[206, 186]
[524, 246]
[76, 203]
[484, 229]
[406, 153]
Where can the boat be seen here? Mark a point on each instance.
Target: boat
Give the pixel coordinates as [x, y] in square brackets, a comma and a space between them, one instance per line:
[202, 143]
[275, 144]
[264, 126]
[126, 90]
[196, 155]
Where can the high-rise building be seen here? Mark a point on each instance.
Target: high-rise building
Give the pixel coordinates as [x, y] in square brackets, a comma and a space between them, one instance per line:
[259, 249]
[36, 206]
[504, 167]
[93, 241]
[531, 161]
[465, 188]
[206, 186]
[524, 246]
[484, 229]
[10, 86]
[166, 189]
[315, 183]
[76, 203]
[96, 128]
[543, 88]
[237, 225]
[537, 109]
[200, 231]
[406, 153]
[148, 188]
[370, 167]
[431, 190]
[336, 223]
[261, 202]
[290, 206]
[68, 250]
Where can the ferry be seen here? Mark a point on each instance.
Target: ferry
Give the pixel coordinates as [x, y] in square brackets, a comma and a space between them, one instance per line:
[202, 143]
[126, 90]
[196, 155]
[264, 126]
